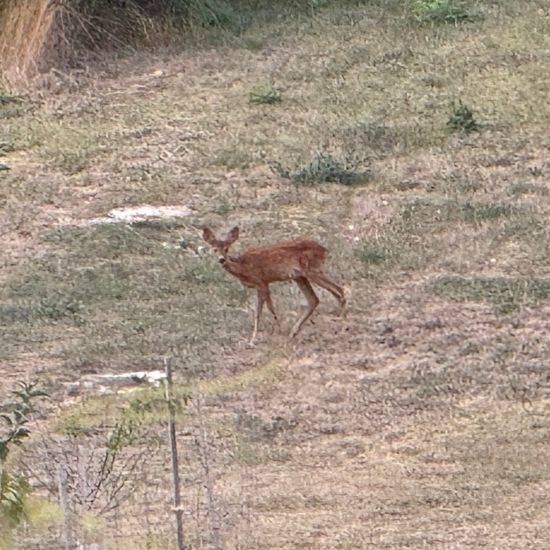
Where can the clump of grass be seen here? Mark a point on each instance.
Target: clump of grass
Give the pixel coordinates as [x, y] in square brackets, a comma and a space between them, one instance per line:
[6, 147]
[525, 188]
[455, 184]
[6, 98]
[10, 106]
[535, 171]
[324, 168]
[478, 212]
[442, 11]
[372, 253]
[209, 13]
[506, 294]
[266, 95]
[462, 119]
[422, 211]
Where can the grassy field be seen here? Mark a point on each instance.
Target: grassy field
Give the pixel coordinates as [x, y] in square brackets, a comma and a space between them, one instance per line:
[419, 419]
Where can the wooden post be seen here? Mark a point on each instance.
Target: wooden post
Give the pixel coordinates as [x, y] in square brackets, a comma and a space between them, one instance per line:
[174, 454]
[64, 501]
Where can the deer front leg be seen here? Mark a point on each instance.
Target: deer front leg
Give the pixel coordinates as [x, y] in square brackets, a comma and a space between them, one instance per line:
[312, 302]
[259, 307]
[271, 308]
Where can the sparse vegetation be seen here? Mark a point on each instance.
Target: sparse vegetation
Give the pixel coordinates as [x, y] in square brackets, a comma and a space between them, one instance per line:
[505, 294]
[442, 11]
[435, 379]
[15, 416]
[462, 119]
[324, 168]
[374, 253]
[265, 95]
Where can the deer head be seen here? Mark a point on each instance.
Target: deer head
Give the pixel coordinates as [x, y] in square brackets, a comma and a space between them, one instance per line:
[221, 246]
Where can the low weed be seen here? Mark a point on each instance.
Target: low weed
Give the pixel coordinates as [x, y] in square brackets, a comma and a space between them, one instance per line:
[454, 184]
[6, 147]
[442, 11]
[324, 168]
[462, 119]
[525, 188]
[7, 98]
[505, 294]
[373, 253]
[266, 95]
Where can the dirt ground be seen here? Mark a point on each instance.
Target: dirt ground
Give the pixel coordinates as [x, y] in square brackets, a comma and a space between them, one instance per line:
[421, 417]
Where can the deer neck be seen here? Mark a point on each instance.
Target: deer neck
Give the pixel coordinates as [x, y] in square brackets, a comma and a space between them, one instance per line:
[233, 264]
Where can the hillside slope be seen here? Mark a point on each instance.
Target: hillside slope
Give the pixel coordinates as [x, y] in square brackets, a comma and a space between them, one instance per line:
[422, 416]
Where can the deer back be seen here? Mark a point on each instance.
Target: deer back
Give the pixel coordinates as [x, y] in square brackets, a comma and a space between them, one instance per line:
[283, 261]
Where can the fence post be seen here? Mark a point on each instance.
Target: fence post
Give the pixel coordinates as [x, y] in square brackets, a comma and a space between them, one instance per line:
[64, 501]
[174, 454]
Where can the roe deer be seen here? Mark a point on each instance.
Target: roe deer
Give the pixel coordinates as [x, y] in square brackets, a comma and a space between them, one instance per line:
[300, 260]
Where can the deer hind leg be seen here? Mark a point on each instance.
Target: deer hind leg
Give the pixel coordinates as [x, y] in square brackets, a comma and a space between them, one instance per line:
[312, 301]
[319, 278]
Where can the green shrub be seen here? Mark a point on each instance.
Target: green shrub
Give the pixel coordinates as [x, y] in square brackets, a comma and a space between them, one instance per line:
[324, 168]
[441, 11]
[462, 119]
[15, 416]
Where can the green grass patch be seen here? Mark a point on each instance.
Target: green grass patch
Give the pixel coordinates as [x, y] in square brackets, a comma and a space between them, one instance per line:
[265, 95]
[442, 11]
[382, 140]
[324, 168]
[505, 294]
[462, 119]
[121, 293]
[374, 253]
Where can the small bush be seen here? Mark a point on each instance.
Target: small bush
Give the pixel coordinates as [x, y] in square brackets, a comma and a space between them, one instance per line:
[441, 11]
[324, 168]
[462, 119]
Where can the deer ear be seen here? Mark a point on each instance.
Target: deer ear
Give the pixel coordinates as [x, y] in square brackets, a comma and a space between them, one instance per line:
[233, 235]
[208, 235]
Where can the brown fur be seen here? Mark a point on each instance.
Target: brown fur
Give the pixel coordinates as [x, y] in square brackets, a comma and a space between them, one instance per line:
[300, 260]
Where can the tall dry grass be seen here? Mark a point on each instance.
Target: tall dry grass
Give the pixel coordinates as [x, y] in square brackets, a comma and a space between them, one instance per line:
[24, 30]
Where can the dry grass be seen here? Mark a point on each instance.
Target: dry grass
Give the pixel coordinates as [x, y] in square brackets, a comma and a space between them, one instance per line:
[24, 29]
[419, 419]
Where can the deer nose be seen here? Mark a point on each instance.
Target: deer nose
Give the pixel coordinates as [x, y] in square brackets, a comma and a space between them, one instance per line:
[221, 259]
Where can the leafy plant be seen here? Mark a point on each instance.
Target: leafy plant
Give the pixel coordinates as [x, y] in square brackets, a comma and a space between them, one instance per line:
[15, 415]
[266, 95]
[462, 119]
[441, 11]
[324, 168]
[13, 492]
